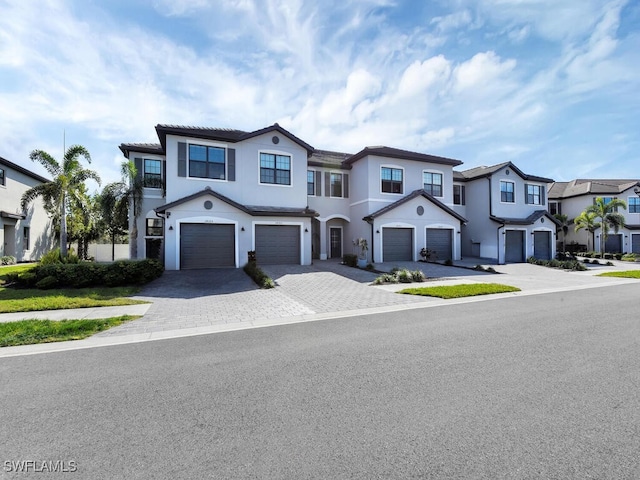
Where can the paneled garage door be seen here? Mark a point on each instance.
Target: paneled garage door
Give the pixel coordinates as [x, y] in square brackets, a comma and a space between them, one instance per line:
[278, 244]
[542, 245]
[635, 242]
[397, 244]
[207, 245]
[514, 246]
[439, 240]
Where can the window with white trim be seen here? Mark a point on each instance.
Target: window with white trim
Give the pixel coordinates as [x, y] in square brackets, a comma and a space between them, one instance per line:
[534, 194]
[459, 195]
[152, 175]
[336, 189]
[634, 204]
[275, 169]
[155, 227]
[391, 179]
[207, 162]
[311, 182]
[2, 179]
[507, 191]
[432, 183]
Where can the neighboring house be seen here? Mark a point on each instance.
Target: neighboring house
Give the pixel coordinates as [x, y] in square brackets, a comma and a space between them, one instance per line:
[507, 212]
[572, 198]
[212, 195]
[25, 235]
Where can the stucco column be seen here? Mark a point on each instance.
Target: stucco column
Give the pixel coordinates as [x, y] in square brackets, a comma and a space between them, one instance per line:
[323, 239]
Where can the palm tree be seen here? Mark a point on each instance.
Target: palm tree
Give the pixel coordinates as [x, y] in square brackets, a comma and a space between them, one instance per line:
[68, 179]
[114, 211]
[564, 225]
[587, 220]
[609, 217]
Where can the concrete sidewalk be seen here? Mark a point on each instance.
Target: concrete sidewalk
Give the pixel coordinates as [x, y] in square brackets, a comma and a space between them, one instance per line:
[210, 301]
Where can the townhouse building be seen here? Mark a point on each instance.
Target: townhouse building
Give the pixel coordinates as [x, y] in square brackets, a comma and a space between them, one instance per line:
[24, 234]
[573, 197]
[212, 195]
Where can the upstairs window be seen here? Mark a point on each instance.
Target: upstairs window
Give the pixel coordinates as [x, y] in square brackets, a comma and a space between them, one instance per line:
[155, 227]
[534, 195]
[507, 190]
[607, 200]
[275, 169]
[634, 204]
[311, 182]
[555, 208]
[152, 173]
[336, 184]
[459, 195]
[432, 183]
[391, 180]
[207, 162]
[2, 180]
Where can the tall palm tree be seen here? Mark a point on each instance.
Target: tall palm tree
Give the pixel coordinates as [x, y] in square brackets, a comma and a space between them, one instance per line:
[587, 220]
[68, 178]
[607, 213]
[564, 226]
[114, 211]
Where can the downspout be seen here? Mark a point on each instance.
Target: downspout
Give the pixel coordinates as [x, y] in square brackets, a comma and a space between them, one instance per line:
[501, 225]
[370, 222]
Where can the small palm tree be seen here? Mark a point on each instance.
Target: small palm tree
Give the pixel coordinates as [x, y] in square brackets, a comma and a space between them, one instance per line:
[609, 217]
[68, 179]
[564, 226]
[114, 211]
[587, 221]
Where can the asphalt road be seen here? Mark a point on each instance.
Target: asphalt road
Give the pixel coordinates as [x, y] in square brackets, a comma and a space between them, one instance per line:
[519, 388]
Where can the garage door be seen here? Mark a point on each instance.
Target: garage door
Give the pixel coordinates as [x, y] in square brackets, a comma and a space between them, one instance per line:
[207, 245]
[439, 241]
[635, 243]
[397, 244]
[514, 246]
[278, 244]
[542, 245]
[613, 243]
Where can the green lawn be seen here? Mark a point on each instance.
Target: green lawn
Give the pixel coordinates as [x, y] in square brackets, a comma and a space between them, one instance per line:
[33, 299]
[9, 269]
[458, 291]
[28, 332]
[625, 274]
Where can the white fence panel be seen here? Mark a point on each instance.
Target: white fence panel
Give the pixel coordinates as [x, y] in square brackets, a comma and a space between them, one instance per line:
[102, 252]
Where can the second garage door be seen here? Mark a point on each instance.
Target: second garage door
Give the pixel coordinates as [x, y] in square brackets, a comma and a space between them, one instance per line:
[439, 241]
[635, 243]
[278, 244]
[397, 244]
[206, 245]
[542, 245]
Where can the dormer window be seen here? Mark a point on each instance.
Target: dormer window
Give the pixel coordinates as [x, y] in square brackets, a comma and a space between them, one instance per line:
[391, 180]
[275, 169]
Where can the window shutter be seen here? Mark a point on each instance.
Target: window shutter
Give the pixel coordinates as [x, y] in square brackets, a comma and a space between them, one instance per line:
[345, 185]
[542, 192]
[231, 166]
[318, 182]
[164, 177]
[327, 184]
[182, 159]
[463, 200]
[137, 162]
[526, 193]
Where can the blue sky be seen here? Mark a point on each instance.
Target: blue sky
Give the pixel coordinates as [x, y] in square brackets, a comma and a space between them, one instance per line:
[551, 85]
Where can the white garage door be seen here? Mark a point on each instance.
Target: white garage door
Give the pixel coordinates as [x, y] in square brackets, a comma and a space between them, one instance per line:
[278, 244]
[207, 245]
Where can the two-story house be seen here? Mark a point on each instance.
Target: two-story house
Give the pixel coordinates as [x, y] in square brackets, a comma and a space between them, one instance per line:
[572, 198]
[212, 195]
[25, 235]
[507, 211]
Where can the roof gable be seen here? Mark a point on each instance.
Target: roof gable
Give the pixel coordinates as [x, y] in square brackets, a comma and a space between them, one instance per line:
[484, 172]
[24, 171]
[411, 196]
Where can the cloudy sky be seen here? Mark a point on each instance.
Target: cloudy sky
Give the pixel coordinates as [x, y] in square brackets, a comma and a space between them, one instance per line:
[552, 85]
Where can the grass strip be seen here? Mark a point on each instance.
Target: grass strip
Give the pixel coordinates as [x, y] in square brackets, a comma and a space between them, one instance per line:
[7, 270]
[29, 332]
[625, 274]
[459, 291]
[33, 299]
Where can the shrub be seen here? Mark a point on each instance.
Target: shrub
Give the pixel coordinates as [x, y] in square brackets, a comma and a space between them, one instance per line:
[369, 266]
[78, 275]
[595, 261]
[54, 256]
[404, 276]
[448, 262]
[617, 256]
[418, 276]
[630, 257]
[609, 264]
[608, 256]
[350, 260]
[479, 267]
[8, 260]
[385, 278]
[259, 277]
[586, 260]
[491, 270]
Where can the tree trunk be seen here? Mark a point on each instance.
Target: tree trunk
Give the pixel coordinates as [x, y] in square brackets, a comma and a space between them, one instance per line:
[113, 246]
[63, 227]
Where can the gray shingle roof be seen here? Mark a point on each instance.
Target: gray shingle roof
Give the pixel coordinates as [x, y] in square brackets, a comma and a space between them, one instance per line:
[480, 172]
[153, 148]
[391, 152]
[584, 186]
[412, 195]
[530, 220]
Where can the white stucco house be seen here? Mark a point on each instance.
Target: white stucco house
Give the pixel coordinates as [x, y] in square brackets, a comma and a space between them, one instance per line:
[572, 198]
[25, 235]
[212, 195]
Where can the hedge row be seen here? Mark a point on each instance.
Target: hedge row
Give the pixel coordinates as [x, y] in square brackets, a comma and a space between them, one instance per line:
[88, 274]
[255, 272]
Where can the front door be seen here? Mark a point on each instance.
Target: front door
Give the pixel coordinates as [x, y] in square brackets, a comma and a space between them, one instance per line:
[336, 242]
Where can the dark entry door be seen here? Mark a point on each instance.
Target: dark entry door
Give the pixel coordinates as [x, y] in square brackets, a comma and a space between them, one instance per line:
[336, 242]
